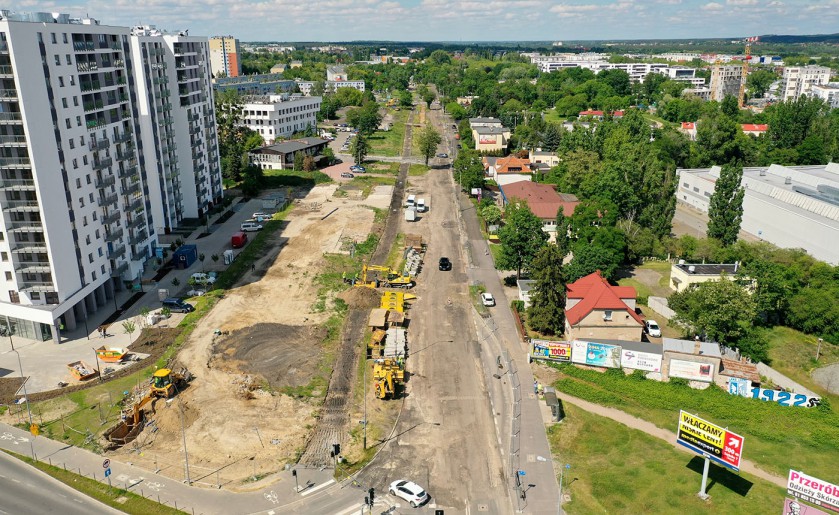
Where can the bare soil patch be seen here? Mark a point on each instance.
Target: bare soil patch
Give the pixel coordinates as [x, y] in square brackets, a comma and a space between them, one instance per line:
[361, 297]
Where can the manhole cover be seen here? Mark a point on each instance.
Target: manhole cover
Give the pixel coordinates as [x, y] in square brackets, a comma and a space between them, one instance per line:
[483, 507]
[531, 458]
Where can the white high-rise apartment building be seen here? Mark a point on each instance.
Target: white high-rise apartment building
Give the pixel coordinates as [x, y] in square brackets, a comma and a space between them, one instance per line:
[225, 56]
[82, 177]
[828, 92]
[799, 79]
[280, 116]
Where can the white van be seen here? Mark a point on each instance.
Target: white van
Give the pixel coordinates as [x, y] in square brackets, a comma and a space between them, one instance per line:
[251, 226]
[412, 201]
[421, 207]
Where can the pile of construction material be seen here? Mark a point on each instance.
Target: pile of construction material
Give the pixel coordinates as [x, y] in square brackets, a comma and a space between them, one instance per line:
[413, 262]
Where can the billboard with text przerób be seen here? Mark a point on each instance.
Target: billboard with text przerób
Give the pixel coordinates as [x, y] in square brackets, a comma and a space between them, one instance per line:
[813, 490]
[710, 440]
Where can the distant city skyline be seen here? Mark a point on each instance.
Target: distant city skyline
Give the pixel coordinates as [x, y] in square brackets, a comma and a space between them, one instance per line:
[461, 20]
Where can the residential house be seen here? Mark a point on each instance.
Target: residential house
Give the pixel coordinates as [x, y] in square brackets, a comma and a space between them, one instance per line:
[485, 122]
[278, 68]
[296, 64]
[754, 129]
[506, 170]
[490, 139]
[525, 288]
[543, 201]
[543, 160]
[689, 128]
[336, 73]
[596, 309]
[684, 275]
[280, 156]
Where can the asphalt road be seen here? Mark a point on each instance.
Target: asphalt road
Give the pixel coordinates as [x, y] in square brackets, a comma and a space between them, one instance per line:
[27, 490]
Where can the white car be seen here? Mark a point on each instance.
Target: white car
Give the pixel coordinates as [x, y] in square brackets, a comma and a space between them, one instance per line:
[487, 299]
[202, 278]
[653, 329]
[410, 491]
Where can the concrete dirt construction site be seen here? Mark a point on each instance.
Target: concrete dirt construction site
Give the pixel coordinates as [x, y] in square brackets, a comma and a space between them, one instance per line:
[237, 425]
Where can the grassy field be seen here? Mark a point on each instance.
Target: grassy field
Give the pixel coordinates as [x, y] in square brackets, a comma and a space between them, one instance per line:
[553, 117]
[616, 469]
[117, 498]
[777, 438]
[279, 178]
[384, 167]
[389, 143]
[418, 170]
[649, 279]
[364, 183]
[793, 354]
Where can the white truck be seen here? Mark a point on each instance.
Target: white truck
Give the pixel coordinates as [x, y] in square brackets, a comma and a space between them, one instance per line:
[423, 203]
[410, 214]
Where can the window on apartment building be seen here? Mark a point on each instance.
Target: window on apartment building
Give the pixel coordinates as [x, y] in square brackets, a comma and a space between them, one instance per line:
[69, 125]
[14, 298]
[4, 256]
[72, 80]
[90, 197]
[102, 269]
[97, 233]
[61, 81]
[81, 201]
[40, 37]
[79, 123]
[64, 103]
[696, 189]
[69, 59]
[84, 160]
[2, 236]
[93, 276]
[81, 142]
[84, 221]
[78, 181]
[87, 240]
[707, 194]
[64, 38]
[94, 216]
[686, 185]
[75, 163]
[57, 60]
[76, 101]
[72, 144]
[35, 295]
[100, 252]
[90, 257]
[8, 276]
[52, 38]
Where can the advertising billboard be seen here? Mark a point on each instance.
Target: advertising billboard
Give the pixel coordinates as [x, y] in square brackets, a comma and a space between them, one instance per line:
[813, 490]
[710, 440]
[641, 360]
[550, 350]
[739, 386]
[488, 140]
[793, 507]
[596, 354]
[692, 370]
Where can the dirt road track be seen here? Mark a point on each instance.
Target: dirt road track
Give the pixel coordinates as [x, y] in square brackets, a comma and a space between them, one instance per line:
[332, 425]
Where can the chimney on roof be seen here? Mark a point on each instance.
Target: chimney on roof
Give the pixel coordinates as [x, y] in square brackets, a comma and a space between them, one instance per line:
[697, 346]
[763, 172]
[692, 269]
[736, 265]
[788, 180]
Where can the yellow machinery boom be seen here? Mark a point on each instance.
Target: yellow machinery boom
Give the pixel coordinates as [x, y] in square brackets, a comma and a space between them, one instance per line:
[388, 378]
[388, 278]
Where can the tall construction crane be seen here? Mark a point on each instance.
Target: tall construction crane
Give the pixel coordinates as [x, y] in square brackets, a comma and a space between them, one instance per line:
[741, 99]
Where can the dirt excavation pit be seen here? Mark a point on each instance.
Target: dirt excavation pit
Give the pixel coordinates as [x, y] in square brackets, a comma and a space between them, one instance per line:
[275, 335]
[283, 355]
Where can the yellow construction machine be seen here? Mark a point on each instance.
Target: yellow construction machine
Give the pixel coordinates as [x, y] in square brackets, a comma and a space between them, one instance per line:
[164, 384]
[388, 378]
[373, 276]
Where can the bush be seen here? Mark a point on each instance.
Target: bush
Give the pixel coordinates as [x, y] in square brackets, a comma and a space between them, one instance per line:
[518, 306]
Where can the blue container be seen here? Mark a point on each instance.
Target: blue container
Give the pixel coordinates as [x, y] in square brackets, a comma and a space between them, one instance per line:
[185, 256]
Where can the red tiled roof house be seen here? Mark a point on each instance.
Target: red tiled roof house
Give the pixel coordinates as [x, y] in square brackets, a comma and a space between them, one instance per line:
[595, 309]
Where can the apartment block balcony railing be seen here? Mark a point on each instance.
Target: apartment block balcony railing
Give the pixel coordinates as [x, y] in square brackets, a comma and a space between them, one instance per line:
[113, 216]
[17, 184]
[104, 182]
[120, 269]
[138, 238]
[8, 94]
[15, 162]
[136, 221]
[130, 189]
[128, 171]
[86, 67]
[107, 200]
[123, 137]
[87, 87]
[30, 247]
[98, 143]
[125, 154]
[20, 206]
[99, 164]
[6, 71]
[10, 118]
[133, 205]
[114, 236]
[116, 252]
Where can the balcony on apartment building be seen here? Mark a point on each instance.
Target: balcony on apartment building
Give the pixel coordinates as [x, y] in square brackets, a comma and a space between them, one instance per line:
[104, 182]
[116, 251]
[136, 221]
[20, 162]
[12, 140]
[128, 171]
[98, 143]
[138, 238]
[107, 200]
[20, 206]
[13, 118]
[134, 204]
[120, 269]
[123, 137]
[102, 163]
[130, 189]
[17, 184]
[29, 247]
[111, 217]
[114, 235]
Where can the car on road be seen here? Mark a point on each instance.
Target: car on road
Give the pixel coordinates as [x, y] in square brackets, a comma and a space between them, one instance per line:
[202, 278]
[347, 175]
[358, 169]
[176, 305]
[410, 491]
[487, 299]
[445, 264]
[443, 155]
[250, 226]
[652, 328]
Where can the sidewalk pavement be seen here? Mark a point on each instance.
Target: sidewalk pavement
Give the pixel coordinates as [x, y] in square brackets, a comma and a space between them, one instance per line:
[535, 454]
[45, 362]
[278, 494]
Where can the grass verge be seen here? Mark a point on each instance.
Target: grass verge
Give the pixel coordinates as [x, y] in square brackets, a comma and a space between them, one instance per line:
[416, 170]
[778, 438]
[279, 178]
[616, 469]
[793, 354]
[117, 498]
[389, 143]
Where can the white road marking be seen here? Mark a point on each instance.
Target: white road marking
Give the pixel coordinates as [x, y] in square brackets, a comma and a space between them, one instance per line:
[316, 488]
[355, 509]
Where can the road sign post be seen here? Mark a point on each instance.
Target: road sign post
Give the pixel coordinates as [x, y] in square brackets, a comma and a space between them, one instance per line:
[108, 475]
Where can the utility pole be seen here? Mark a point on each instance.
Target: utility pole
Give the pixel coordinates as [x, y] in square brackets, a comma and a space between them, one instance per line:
[818, 350]
[183, 434]
[364, 393]
[25, 395]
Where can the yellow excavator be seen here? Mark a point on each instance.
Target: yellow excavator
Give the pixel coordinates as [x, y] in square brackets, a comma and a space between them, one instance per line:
[384, 277]
[388, 378]
[164, 384]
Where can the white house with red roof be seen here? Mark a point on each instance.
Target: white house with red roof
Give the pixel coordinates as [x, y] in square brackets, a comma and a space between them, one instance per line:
[594, 309]
[505, 170]
[754, 129]
[689, 128]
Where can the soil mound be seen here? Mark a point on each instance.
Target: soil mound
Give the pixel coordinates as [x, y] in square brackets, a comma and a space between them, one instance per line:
[362, 298]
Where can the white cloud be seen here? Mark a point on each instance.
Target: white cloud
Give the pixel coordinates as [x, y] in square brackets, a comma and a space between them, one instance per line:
[575, 9]
[712, 6]
[741, 2]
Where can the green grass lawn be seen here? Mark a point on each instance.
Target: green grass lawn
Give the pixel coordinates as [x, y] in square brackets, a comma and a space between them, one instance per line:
[418, 170]
[793, 354]
[117, 498]
[278, 178]
[616, 469]
[389, 143]
[384, 167]
[552, 116]
[642, 280]
[365, 183]
[777, 438]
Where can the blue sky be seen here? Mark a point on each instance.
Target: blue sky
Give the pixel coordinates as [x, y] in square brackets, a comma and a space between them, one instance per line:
[455, 20]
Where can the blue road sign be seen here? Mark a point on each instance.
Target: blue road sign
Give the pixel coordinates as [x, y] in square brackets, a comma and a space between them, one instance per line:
[107, 472]
[521, 472]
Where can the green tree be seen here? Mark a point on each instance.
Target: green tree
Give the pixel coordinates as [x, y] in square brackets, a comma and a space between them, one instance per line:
[298, 161]
[551, 137]
[563, 228]
[723, 310]
[469, 170]
[440, 57]
[456, 111]
[522, 237]
[729, 107]
[308, 163]
[328, 156]
[491, 214]
[359, 148]
[591, 258]
[428, 96]
[406, 99]
[725, 210]
[546, 313]
[428, 139]
[759, 81]
[369, 118]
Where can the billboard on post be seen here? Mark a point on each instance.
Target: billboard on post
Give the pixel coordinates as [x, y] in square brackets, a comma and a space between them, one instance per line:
[551, 350]
[793, 507]
[813, 490]
[692, 370]
[641, 360]
[710, 440]
[595, 354]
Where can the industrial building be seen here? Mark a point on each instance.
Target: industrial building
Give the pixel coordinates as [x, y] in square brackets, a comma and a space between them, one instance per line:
[788, 206]
[108, 141]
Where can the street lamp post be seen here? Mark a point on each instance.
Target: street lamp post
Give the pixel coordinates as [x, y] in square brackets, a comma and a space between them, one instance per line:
[25, 395]
[561, 477]
[819, 349]
[183, 434]
[364, 393]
